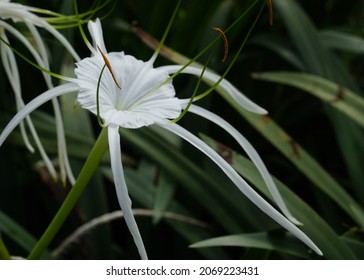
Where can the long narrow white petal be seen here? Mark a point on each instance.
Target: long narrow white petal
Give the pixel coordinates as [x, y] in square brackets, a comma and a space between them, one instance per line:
[19, 12]
[65, 167]
[13, 75]
[121, 188]
[42, 51]
[241, 184]
[42, 61]
[12, 72]
[31, 49]
[95, 30]
[26, 43]
[211, 78]
[34, 104]
[251, 152]
[40, 22]
[61, 142]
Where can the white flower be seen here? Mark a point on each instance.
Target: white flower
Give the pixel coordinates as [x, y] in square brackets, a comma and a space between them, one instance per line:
[133, 94]
[21, 13]
[134, 105]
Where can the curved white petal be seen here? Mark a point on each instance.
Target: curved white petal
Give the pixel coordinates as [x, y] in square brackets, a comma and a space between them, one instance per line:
[211, 78]
[14, 11]
[42, 60]
[121, 188]
[61, 141]
[145, 98]
[251, 152]
[45, 25]
[65, 167]
[18, 12]
[95, 29]
[26, 43]
[34, 104]
[12, 72]
[42, 51]
[241, 184]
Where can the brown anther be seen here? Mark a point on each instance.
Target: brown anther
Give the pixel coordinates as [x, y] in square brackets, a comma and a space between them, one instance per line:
[226, 43]
[108, 65]
[270, 8]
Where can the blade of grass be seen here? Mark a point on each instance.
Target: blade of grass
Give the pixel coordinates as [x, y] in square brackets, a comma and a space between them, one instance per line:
[340, 98]
[164, 193]
[342, 41]
[321, 61]
[284, 243]
[4, 254]
[18, 234]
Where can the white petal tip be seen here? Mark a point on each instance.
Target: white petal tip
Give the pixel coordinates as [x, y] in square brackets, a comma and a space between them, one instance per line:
[318, 252]
[261, 111]
[295, 221]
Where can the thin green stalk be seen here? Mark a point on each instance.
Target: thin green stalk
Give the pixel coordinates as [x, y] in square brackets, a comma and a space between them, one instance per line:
[98, 99]
[192, 60]
[164, 37]
[4, 254]
[86, 173]
[194, 92]
[215, 85]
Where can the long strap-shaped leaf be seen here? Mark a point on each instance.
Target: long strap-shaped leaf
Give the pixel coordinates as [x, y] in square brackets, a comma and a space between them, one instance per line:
[303, 161]
[17, 233]
[313, 225]
[344, 100]
[319, 60]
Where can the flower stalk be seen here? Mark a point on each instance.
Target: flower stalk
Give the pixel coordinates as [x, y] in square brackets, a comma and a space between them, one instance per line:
[84, 177]
[4, 254]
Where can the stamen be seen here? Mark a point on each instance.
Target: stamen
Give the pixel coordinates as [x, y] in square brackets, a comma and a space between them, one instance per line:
[226, 43]
[108, 65]
[98, 99]
[270, 8]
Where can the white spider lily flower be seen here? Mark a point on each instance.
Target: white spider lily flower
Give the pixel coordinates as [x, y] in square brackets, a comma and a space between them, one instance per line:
[21, 13]
[133, 94]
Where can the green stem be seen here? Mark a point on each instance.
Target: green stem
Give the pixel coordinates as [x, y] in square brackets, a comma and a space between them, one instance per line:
[86, 173]
[4, 254]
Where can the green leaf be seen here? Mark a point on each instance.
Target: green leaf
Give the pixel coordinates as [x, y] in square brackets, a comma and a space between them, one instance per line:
[18, 234]
[320, 60]
[285, 243]
[4, 254]
[280, 47]
[313, 225]
[356, 246]
[340, 98]
[165, 191]
[302, 32]
[342, 41]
